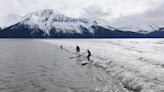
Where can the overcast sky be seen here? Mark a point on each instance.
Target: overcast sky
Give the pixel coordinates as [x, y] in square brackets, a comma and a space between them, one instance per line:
[116, 12]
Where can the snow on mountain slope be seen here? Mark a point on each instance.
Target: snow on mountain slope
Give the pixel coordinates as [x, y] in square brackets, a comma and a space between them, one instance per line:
[51, 22]
[6, 21]
[140, 28]
[48, 23]
[105, 25]
[49, 19]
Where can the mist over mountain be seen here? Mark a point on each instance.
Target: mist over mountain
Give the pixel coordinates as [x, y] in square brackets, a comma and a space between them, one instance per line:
[8, 20]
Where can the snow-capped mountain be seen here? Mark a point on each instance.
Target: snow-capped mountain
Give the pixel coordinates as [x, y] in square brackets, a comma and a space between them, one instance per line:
[148, 31]
[51, 24]
[46, 20]
[8, 20]
[145, 29]
[48, 23]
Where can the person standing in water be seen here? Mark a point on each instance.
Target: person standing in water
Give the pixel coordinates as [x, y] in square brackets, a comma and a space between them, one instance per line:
[61, 46]
[89, 54]
[77, 50]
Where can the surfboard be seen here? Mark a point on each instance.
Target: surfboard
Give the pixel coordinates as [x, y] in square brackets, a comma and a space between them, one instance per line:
[84, 62]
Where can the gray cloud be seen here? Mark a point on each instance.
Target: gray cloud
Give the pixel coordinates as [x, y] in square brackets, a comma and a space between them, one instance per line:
[154, 17]
[94, 9]
[95, 12]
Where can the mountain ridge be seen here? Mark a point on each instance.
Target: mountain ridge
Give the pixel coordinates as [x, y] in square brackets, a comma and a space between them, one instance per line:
[50, 24]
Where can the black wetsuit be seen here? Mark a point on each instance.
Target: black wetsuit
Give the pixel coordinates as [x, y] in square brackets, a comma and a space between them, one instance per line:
[77, 49]
[61, 47]
[89, 55]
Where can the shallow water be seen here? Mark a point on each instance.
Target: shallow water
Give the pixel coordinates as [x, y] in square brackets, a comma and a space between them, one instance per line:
[137, 63]
[28, 65]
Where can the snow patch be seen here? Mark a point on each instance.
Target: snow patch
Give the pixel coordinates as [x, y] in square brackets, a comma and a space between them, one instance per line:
[145, 29]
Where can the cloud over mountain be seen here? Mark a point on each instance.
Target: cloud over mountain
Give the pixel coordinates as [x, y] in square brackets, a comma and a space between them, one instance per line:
[109, 10]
